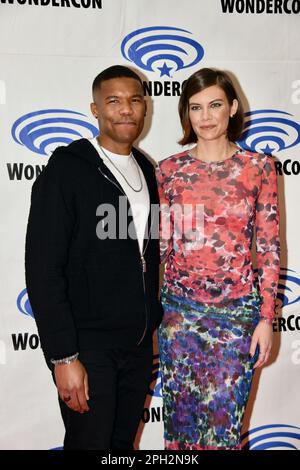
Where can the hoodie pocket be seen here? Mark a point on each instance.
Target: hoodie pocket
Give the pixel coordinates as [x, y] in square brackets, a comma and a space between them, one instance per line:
[106, 302]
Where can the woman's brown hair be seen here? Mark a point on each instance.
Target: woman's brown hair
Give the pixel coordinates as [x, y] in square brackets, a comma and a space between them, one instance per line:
[200, 80]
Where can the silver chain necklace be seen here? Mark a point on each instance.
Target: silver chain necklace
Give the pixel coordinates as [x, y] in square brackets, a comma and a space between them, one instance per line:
[119, 171]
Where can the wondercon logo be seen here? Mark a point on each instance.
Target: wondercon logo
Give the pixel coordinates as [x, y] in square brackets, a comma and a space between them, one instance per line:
[273, 436]
[42, 131]
[288, 288]
[23, 304]
[269, 131]
[155, 384]
[162, 48]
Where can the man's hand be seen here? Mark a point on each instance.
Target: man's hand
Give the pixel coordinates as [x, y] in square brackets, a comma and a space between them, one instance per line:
[72, 385]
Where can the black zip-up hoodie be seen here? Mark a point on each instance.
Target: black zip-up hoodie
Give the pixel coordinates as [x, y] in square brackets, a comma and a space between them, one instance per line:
[86, 292]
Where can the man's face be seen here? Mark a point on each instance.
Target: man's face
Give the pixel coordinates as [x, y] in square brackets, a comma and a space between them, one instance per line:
[120, 107]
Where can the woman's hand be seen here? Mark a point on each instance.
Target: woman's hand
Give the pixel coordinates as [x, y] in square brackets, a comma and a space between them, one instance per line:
[263, 337]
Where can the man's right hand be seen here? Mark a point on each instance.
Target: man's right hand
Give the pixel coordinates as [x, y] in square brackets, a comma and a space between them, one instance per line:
[72, 385]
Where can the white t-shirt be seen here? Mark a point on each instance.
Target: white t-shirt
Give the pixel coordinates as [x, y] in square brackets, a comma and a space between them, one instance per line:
[139, 201]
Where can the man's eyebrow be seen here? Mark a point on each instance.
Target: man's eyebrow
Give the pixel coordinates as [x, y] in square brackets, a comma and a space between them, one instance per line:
[139, 95]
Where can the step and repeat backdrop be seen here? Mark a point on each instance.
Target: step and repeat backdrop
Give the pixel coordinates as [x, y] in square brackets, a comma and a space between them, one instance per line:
[50, 52]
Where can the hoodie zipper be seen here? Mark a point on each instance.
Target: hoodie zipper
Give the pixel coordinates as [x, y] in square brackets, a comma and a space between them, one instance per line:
[142, 259]
[144, 269]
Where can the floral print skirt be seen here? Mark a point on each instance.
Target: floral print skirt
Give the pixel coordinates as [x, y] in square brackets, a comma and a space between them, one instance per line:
[206, 370]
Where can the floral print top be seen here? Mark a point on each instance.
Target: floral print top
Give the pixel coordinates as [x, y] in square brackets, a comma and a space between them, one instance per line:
[228, 199]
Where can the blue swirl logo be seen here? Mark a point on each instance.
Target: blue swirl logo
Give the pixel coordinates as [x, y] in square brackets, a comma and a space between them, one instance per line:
[162, 48]
[155, 384]
[269, 131]
[273, 436]
[23, 304]
[288, 288]
[42, 131]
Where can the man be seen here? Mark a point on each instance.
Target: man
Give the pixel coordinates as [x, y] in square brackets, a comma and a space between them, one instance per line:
[93, 281]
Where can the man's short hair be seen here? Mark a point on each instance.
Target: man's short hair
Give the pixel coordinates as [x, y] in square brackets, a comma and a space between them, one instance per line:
[115, 71]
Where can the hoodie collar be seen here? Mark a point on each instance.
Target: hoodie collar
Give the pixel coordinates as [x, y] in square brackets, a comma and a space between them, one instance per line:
[85, 150]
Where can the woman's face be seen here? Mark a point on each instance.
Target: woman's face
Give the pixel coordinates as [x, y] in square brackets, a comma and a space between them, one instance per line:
[209, 113]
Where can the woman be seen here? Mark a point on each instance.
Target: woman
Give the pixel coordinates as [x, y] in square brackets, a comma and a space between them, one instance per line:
[217, 326]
